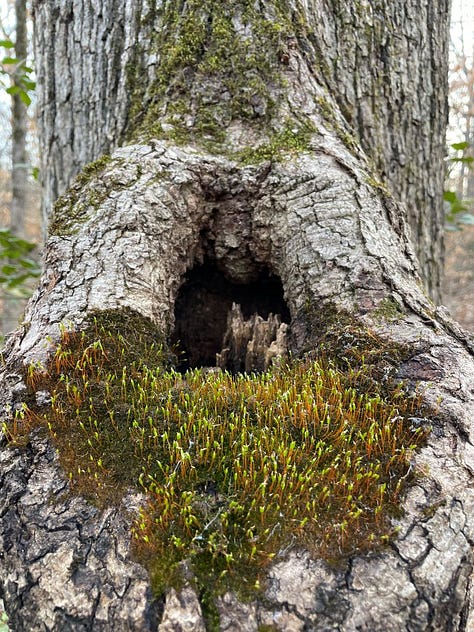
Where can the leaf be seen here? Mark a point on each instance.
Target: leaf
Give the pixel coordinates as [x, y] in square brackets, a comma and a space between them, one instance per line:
[26, 245]
[13, 90]
[455, 203]
[7, 61]
[18, 280]
[29, 264]
[460, 146]
[450, 196]
[465, 159]
[18, 267]
[25, 97]
[8, 270]
[7, 44]
[28, 84]
[35, 173]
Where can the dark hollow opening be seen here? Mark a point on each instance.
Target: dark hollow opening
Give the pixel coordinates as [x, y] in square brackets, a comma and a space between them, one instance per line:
[203, 304]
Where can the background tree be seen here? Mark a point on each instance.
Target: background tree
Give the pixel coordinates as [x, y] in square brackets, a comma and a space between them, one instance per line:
[18, 266]
[458, 286]
[276, 153]
[19, 123]
[462, 102]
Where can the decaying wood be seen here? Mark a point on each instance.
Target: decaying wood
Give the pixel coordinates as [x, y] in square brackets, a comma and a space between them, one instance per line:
[253, 344]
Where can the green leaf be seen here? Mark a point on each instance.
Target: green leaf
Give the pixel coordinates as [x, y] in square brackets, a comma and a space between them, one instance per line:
[455, 203]
[8, 270]
[26, 245]
[465, 159]
[13, 90]
[29, 264]
[35, 173]
[28, 84]
[18, 267]
[460, 146]
[24, 96]
[18, 280]
[7, 61]
[450, 196]
[7, 44]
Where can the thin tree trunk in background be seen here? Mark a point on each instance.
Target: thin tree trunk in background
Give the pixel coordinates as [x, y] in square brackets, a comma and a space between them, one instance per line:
[470, 131]
[19, 171]
[19, 131]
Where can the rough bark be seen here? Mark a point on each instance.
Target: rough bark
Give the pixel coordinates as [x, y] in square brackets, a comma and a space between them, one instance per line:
[126, 235]
[383, 63]
[82, 50]
[136, 258]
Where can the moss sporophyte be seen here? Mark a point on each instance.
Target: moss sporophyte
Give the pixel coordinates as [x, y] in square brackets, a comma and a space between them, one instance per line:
[235, 468]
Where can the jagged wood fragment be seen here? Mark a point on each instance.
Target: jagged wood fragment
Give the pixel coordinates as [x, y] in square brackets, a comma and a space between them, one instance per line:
[252, 344]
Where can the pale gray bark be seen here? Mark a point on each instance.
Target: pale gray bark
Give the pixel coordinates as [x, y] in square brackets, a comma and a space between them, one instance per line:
[132, 251]
[19, 173]
[126, 236]
[19, 130]
[82, 51]
[384, 64]
[387, 67]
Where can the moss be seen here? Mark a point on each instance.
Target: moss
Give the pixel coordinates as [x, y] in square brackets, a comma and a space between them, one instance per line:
[327, 111]
[336, 334]
[235, 468]
[87, 192]
[375, 182]
[388, 309]
[291, 139]
[218, 62]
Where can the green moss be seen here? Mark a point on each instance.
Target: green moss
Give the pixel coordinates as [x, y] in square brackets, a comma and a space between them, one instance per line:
[327, 111]
[291, 139]
[388, 309]
[336, 334]
[87, 192]
[234, 468]
[218, 62]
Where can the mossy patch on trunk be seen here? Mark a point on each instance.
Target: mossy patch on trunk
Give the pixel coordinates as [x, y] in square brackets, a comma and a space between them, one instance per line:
[235, 469]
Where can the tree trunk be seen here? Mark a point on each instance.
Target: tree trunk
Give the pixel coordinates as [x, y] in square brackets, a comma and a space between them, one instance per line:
[275, 153]
[19, 130]
[382, 70]
[12, 305]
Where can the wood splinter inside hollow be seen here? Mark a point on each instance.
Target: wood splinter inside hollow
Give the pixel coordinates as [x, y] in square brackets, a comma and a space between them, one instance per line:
[244, 325]
[252, 344]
